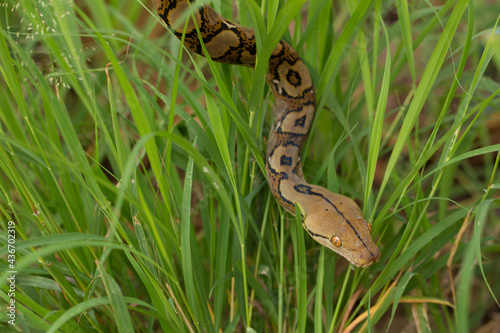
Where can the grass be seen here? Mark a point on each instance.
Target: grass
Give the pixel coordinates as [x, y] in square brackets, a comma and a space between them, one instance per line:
[132, 171]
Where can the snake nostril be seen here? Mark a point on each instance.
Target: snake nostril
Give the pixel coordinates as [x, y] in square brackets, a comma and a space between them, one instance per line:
[375, 255]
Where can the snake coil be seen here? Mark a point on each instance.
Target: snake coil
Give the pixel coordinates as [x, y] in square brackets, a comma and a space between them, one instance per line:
[333, 220]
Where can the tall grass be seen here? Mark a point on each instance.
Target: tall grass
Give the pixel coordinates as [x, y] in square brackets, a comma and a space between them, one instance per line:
[132, 171]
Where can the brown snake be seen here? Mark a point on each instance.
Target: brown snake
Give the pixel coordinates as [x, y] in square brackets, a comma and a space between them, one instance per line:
[333, 220]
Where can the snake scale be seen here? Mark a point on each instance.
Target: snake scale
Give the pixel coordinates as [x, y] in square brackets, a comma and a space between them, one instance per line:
[333, 220]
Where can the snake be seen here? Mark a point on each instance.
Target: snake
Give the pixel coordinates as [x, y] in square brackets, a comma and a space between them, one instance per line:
[333, 220]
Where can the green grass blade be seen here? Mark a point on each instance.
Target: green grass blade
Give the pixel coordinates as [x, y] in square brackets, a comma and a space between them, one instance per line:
[376, 132]
[117, 301]
[406, 33]
[426, 82]
[300, 270]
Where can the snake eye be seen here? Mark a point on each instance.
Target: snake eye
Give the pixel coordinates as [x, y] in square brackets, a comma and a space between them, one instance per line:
[369, 226]
[336, 241]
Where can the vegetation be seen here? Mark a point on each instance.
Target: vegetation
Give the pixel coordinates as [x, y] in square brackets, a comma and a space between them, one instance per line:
[132, 171]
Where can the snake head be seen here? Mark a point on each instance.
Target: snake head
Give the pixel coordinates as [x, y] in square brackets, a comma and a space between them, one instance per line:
[337, 222]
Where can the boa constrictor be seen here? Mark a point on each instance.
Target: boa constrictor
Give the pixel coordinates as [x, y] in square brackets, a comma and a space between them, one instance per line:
[333, 220]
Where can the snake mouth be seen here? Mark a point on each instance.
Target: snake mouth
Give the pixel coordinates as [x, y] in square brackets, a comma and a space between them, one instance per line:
[366, 264]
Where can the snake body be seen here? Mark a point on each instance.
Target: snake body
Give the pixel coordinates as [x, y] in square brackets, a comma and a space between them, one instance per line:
[333, 220]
